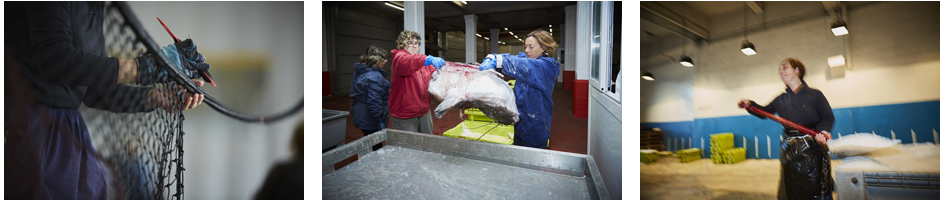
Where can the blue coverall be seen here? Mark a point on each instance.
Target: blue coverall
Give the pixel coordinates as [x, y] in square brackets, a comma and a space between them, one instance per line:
[534, 82]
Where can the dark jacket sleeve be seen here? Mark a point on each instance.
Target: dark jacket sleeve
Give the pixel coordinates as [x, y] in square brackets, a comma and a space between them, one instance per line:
[119, 98]
[769, 108]
[52, 46]
[825, 112]
[378, 90]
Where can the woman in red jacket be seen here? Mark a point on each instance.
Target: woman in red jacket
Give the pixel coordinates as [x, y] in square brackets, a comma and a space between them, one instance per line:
[410, 77]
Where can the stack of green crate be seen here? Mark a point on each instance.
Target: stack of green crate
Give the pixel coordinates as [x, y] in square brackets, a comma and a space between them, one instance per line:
[719, 143]
[648, 156]
[724, 151]
[733, 155]
[689, 155]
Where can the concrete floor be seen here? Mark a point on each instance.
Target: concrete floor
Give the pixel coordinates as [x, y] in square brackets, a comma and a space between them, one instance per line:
[568, 133]
[749, 179]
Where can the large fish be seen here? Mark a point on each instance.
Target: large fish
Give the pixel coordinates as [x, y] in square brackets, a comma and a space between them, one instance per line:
[463, 86]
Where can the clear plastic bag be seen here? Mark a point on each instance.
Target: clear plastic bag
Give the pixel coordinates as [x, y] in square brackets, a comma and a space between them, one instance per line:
[463, 86]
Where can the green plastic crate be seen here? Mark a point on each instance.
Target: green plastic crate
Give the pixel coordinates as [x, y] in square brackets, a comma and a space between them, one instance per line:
[503, 134]
[476, 115]
[729, 156]
[649, 156]
[689, 155]
[721, 136]
[733, 155]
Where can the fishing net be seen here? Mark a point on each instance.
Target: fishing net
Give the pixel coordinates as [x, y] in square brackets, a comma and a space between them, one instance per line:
[140, 139]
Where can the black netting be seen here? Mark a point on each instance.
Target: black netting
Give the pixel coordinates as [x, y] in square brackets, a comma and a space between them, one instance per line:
[136, 130]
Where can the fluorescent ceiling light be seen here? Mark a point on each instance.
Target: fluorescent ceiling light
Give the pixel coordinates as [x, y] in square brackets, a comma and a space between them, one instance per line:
[395, 6]
[748, 48]
[839, 28]
[648, 76]
[686, 61]
[464, 2]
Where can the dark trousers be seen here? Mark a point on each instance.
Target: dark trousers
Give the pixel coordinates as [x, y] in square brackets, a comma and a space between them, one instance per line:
[48, 154]
[517, 141]
[369, 132]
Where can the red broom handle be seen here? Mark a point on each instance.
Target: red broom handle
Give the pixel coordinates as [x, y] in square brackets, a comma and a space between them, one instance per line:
[783, 121]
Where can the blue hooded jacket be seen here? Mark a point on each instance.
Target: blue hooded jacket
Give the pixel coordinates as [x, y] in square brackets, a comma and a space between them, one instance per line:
[370, 91]
[534, 82]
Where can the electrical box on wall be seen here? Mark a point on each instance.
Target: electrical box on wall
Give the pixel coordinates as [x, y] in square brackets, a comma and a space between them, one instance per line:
[837, 66]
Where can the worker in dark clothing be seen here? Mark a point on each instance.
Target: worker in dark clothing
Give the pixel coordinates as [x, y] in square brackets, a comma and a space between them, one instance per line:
[287, 180]
[805, 162]
[58, 51]
[370, 92]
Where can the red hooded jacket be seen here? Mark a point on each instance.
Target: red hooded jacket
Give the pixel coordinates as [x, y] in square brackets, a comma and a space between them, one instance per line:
[408, 85]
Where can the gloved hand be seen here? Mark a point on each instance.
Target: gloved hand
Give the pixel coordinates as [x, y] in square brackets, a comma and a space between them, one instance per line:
[487, 63]
[186, 51]
[435, 61]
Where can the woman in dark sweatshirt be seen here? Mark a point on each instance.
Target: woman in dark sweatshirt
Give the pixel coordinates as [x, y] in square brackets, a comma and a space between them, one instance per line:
[805, 162]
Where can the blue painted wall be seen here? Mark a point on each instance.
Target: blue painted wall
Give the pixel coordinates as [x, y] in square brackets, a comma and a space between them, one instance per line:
[903, 119]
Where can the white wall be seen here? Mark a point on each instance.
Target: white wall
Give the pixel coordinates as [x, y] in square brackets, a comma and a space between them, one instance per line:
[669, 97]
[894, 48]
[226, 158]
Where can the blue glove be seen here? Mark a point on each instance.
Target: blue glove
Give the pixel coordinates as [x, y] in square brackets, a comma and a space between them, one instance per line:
[487, 63]
[435, 61]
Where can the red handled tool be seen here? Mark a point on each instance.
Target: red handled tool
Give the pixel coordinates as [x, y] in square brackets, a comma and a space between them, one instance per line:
[783, 121]
[204, 74]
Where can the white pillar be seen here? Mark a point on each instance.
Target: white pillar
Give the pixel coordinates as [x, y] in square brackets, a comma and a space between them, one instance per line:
[583, 40]
[561, 46]
[471, 37]
[569, 31]
[413, 20]
[494, 39]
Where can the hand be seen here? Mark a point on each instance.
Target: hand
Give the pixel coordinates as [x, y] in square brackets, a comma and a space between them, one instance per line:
[487, 63]
[149, 73]
[435, 61]
[823, 137]
[165, 98]
[743, 103]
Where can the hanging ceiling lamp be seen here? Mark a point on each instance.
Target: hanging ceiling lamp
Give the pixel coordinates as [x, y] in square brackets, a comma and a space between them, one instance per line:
[685, 60]
[648, 76]
[839, 27]
[747, 47]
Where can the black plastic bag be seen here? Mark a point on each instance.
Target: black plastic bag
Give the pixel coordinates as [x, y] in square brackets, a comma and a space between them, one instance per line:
[805, 168]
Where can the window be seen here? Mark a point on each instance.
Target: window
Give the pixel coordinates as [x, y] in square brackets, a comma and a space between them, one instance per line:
[605, 48]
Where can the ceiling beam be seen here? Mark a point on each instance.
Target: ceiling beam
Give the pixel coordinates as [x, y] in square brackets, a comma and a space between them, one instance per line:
[458, 5]
[502, 9]
[755, 6]
[673, 22]
[830, 5]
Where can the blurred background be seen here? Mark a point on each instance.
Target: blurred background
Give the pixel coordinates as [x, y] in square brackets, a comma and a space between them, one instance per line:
[255, 49]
